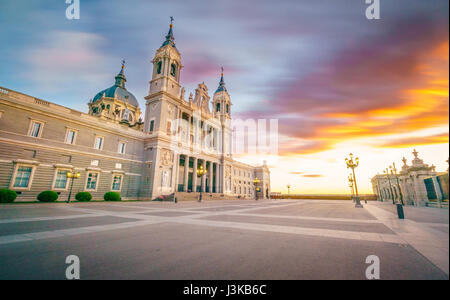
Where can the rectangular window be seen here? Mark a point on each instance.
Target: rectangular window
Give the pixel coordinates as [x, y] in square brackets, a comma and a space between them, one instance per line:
[98, 143]
[122, 147]
[36, 129]
[91, 183]
[23, 175]
[152, 125]
[61, 179]
[117, 183]
[70, 137]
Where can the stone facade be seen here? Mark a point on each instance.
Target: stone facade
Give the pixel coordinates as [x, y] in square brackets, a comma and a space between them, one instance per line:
[113, 149]
[409, 186]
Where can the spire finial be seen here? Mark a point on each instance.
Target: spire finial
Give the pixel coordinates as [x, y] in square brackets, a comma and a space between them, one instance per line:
[221, 82]
[120, 78]
[169, 37]
[415, 153]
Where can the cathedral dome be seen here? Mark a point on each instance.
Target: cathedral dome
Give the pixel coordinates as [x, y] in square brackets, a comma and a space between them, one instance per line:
[118, 91]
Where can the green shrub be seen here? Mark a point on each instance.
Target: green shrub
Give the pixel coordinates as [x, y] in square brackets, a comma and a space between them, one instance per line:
[7, 196]
[83, 196]
[48, 196]
[112, 196]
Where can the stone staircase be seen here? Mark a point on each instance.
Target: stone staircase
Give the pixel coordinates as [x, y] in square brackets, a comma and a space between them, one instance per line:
[165, 198]
[185, 196]
[442, 204]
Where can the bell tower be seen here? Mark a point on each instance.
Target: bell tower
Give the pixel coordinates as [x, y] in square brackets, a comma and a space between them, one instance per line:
[221, 101]
[166, 67]
[222, 111]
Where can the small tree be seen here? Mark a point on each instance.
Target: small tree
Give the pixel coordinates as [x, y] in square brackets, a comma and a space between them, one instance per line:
[7, 196]
[83, 196]
[112, 196]
[48, 196]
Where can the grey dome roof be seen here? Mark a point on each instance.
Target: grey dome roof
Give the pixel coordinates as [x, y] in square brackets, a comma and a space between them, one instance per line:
[118, 91]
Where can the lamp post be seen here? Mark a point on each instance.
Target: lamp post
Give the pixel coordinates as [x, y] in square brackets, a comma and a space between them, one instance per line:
[390, 185]
[256, 182]
[350, 184]
[394, 172]
[352, 164]
[288, 188]
[72, 176]
[200, 173]
[400, 213]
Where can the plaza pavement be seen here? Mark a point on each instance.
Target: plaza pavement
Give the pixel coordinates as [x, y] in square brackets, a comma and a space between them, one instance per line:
[245, 239]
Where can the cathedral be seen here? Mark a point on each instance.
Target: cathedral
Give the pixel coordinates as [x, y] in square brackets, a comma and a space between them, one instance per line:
[181, 147]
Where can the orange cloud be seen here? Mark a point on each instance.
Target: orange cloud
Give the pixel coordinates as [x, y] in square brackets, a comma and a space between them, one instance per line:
[416, 141]
[423, 105]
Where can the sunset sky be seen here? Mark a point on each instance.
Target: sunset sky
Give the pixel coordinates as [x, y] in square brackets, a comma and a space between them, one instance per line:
[337, 82]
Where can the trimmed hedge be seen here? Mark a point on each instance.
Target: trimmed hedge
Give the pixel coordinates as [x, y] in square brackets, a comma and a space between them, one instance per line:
[48, 196]
[83, 196]
[112, 196]
[7, 196]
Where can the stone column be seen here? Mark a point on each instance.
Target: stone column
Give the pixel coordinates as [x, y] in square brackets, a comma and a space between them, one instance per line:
[188, 131]
[175, 166]
[204, 177]
[194, 175]
[217, 178]
[210, 173]
[186, 173]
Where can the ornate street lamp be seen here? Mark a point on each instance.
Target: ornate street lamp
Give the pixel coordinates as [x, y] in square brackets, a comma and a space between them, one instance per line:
[350, 184]
[256, 182]
[200, 173]
[72, 176]
[390, 185]
[288, 188]
[352, 164]
[394, 172]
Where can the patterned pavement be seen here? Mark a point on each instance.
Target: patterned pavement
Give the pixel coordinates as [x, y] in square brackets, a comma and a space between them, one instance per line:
[279, 239]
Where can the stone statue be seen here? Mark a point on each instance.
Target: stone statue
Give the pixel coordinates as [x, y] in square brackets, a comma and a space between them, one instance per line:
[126, 114]
[182, 93]
[197, 100]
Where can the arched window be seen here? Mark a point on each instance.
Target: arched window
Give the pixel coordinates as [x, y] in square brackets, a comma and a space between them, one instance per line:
[218, 107]
[158, 67]
[173, 69]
